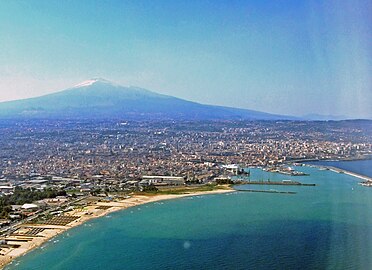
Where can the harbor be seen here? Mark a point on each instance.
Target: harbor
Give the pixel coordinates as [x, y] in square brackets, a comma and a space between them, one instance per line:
[286, 170]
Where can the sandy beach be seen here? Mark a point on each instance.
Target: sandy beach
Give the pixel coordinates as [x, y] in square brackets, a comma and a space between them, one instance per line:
[30, 236]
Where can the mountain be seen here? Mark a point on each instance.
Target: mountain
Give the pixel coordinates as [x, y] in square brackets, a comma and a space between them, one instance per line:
[101, 99]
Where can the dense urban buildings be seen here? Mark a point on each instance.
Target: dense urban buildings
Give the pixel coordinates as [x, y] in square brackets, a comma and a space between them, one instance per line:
[115, 155]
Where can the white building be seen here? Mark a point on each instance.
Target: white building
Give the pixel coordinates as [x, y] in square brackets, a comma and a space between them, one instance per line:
[163, 180]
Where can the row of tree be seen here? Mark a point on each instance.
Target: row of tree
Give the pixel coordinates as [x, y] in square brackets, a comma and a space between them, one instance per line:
[224, 181]
[22, 196]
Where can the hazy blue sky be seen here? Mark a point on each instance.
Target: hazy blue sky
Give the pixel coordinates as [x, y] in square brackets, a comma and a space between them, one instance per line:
[288, 57]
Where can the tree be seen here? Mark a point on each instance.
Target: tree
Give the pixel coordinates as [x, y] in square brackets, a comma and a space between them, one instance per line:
[150, 188]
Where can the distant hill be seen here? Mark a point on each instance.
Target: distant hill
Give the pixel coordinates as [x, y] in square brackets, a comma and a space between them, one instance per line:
[320, 117]
[101, 99]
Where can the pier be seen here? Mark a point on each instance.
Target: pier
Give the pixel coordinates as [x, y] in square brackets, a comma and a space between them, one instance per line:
[367, 180]
[267, 191]
[337, 170]
[275, 183]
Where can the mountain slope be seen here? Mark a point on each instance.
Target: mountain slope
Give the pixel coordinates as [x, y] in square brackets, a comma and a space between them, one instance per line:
[100, 99]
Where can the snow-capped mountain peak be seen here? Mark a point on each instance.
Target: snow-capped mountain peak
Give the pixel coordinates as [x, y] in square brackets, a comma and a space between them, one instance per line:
[85, 83]
[91, 82]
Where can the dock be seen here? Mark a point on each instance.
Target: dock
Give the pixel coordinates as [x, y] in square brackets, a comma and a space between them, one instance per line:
[289, 172]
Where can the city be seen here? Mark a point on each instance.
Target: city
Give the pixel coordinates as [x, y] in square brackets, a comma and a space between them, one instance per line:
[118, 152]
[90, 158]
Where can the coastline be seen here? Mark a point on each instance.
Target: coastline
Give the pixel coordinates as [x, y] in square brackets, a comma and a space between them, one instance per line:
[100, 209]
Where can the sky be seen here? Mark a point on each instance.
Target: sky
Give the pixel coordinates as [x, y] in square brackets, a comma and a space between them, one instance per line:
[286, 57]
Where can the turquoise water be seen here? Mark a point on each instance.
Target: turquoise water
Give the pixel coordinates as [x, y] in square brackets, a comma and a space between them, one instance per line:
[363, 167]
[324, 227]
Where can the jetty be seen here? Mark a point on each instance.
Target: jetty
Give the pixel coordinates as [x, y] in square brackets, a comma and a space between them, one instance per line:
[276, 183]
[366, 183]
[337, 170]
[367, 180]
[267, 191]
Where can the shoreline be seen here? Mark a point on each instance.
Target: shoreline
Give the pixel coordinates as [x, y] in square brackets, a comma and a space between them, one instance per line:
[100, 209]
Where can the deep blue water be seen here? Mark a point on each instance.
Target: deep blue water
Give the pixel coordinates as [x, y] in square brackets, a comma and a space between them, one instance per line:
[324, 227]
[363, 167]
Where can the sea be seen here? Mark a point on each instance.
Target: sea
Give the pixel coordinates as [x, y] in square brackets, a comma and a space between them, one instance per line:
[327, 226]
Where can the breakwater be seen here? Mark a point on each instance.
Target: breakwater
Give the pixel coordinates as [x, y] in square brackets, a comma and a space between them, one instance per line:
[267, 191]
[276, 183]
[361, 169]
[334, 169]
[338, 170]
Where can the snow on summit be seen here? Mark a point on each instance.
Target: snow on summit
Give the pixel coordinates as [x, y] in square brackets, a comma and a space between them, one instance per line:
[92, 81]
[86, 83]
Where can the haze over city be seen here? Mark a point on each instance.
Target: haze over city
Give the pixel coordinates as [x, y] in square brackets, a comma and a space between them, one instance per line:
[283, 57]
